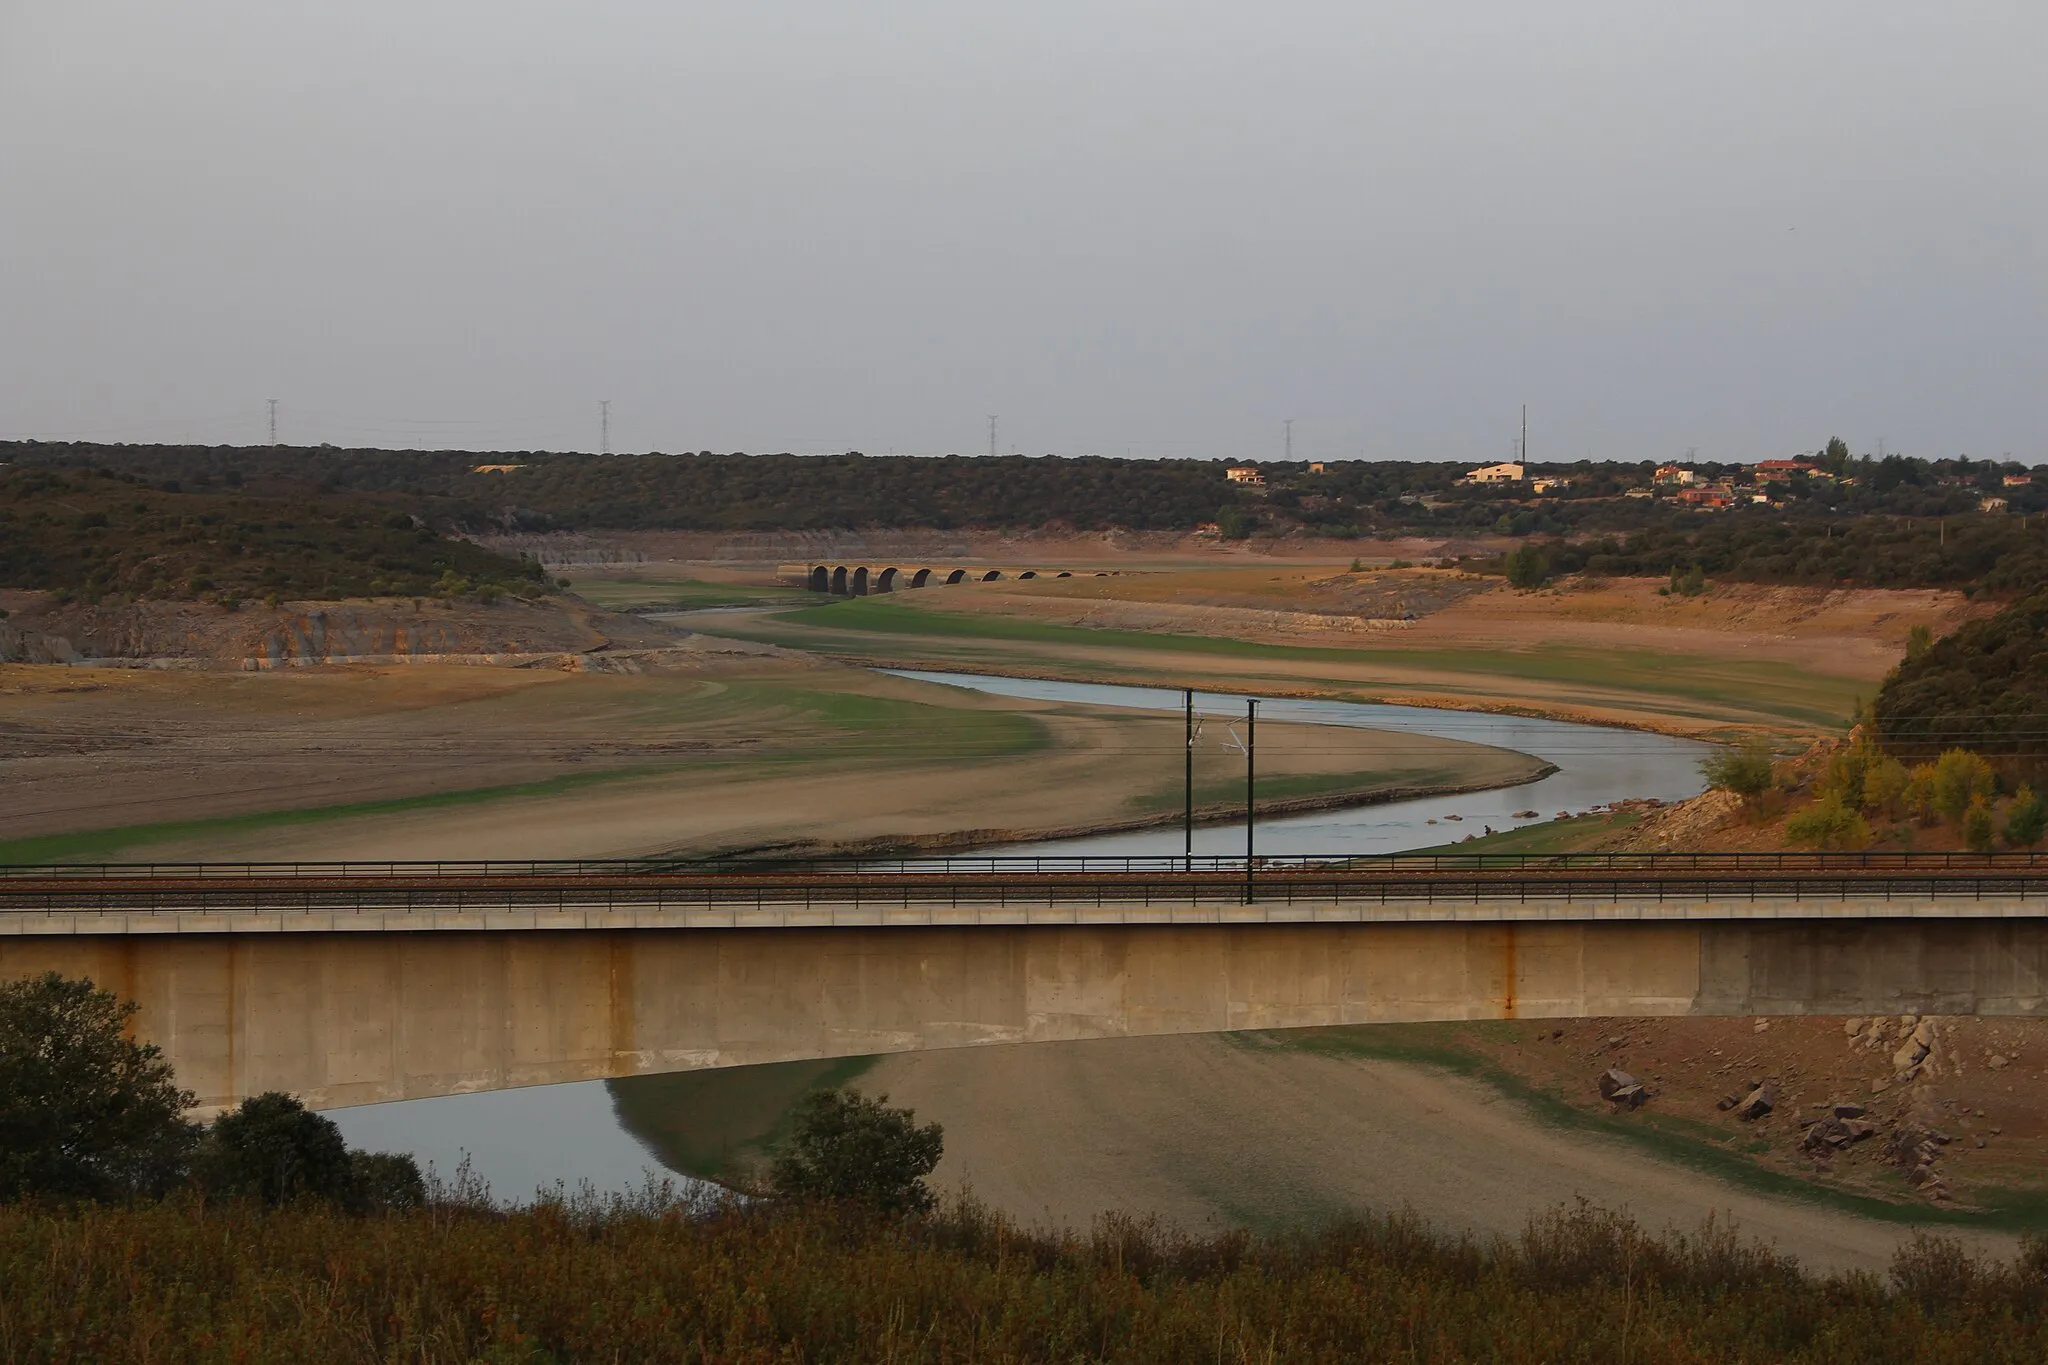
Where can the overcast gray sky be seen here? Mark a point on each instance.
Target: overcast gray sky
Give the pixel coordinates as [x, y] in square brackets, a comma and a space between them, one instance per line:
[1736, 225]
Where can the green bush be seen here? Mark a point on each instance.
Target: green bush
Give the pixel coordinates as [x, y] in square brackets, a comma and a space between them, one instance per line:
[848, 1147]
[1828, 824]
[1960, 778]
[2027, 821]
[1526, 567]
[1884, 786]
[272, 1148]
[1980, 834]
[1744, 770]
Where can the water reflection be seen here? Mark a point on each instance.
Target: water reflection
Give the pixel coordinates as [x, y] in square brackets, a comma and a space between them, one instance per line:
[516, 1141]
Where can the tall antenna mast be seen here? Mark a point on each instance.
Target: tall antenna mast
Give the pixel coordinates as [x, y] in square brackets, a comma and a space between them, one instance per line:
[1525, 433]
[604, 421]
[1289, 425]
[273, 419]
[991, 435]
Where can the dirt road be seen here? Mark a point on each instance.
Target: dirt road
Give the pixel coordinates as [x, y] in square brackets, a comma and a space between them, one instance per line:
[1207, 1132]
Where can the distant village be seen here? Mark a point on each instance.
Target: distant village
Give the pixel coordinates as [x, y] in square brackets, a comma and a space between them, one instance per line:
[1763, 482]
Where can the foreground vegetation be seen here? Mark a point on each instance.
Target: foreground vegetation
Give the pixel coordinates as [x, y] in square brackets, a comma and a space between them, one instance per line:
[281, 1245]
[656, 1279]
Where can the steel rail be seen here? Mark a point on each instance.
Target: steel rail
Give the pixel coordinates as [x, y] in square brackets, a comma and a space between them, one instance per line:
[1290, 886]
[965, 864]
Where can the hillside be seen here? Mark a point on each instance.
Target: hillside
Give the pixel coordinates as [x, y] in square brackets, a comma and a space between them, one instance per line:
[96, 534]
[1985, 687]
[1896, 522]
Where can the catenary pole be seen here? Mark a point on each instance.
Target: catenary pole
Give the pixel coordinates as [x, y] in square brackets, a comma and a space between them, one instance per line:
[1188, 782]
[1251, 753]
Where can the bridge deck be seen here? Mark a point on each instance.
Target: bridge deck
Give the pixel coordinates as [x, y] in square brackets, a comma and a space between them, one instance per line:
[47, 901]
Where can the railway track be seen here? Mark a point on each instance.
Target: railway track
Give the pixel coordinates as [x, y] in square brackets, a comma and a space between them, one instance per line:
[311, 887]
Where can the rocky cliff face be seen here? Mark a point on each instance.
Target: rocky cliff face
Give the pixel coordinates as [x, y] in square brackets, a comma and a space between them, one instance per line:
[298, 633]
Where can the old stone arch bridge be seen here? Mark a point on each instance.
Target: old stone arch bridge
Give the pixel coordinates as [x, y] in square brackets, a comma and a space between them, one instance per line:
[863, 580]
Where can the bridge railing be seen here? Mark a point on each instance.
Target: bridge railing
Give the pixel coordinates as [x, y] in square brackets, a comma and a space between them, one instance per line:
[996, 865]
[853, 898]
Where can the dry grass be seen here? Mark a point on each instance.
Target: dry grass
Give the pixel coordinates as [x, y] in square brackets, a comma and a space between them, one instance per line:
[653, 1281]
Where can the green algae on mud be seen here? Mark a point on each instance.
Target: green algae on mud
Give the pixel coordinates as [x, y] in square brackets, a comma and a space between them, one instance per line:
[1713, 689]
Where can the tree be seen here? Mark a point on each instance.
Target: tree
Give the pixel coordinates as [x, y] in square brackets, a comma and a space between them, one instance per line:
[2027, 821]
[849, 1147]
[385, 1181]
[1960, 778]
[86, 1112]
[271, 1147]
[1979, 834]
[1746, 770]
[1526, 567]
[1828, 824]
[1234, 523]
[1884, 786]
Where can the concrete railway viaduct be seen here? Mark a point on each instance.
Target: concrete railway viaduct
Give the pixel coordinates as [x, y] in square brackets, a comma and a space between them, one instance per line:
[863, 580]
[352, 986]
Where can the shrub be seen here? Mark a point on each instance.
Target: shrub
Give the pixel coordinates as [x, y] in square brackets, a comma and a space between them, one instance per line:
[2027, 821]
[85, 1111]
[1828, 824]
[1745, 770]
[1979, 833]
[1844, 774]
[385, 1182]
[1884, 786]
[1960, 777]
[1526, 567]
[272, 1148]
[848, 1147]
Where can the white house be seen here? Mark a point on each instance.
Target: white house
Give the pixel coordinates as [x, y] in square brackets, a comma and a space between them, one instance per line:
[1497, 473]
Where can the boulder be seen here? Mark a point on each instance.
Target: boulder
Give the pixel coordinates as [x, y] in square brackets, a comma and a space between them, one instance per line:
[1757, 1103]
[1614, 1081]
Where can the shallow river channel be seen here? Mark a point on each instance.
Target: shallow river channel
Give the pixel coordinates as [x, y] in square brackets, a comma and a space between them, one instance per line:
[522, 1140]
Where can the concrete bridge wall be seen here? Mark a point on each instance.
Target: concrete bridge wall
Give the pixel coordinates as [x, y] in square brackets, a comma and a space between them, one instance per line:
[354, 1017]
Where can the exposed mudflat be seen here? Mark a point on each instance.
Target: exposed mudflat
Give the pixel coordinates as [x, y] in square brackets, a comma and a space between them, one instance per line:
[1207, 1132]
[722, 746]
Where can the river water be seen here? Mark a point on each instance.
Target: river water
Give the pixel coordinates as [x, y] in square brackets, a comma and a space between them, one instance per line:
[519, 1141]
